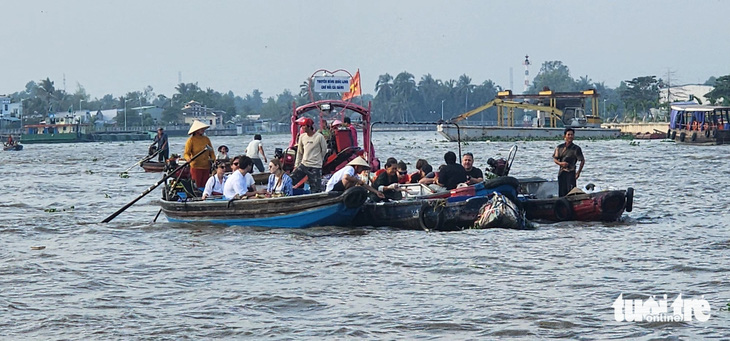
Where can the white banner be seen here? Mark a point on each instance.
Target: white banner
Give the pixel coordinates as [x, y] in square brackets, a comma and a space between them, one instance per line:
[331, 84]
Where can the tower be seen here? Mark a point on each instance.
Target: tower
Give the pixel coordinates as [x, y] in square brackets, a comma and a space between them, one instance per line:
[526, 63]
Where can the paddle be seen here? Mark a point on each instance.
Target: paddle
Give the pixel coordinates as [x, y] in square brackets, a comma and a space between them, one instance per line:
[146, 158]
[147, 191]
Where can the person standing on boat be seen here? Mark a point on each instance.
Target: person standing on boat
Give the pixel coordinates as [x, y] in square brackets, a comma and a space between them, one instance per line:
[451, 174]
[254, 150]
[566, 156]
[240, 183]
[162, 146]
[197, 142]
[353, 131]
[311, 149]
[216, 182]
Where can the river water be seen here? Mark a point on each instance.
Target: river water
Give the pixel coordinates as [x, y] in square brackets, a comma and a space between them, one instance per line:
[65, 275]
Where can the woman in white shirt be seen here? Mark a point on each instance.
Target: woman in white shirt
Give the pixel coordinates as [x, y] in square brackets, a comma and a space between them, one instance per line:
[215, 184]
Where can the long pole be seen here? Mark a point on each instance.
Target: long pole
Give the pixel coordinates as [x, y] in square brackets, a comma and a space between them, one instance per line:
[147, 191]
[442, 109]
[125, 114]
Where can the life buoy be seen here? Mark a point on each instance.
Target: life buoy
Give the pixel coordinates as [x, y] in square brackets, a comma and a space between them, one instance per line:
[612, 203]
[629, 206]
[354, 197]
[424, 216]
[563, 209]
[707, 133]
[674, 134]
[694, 137]
[682, 136]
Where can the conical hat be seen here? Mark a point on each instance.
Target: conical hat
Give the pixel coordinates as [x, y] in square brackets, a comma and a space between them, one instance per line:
[358, 161]
[197, 125]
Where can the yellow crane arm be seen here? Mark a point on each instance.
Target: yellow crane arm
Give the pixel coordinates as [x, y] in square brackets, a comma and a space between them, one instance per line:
[555, 112]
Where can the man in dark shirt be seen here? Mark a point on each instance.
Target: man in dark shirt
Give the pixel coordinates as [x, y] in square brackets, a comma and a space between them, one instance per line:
[387, 181]
[161, 141]
[452, 174]
[566, 156]
[473, 175]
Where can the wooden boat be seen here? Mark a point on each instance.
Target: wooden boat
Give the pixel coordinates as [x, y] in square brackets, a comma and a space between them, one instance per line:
[449, 211]
[691, 123]
[301, 211]
[650, 136]
[12, 147]
[540, 201]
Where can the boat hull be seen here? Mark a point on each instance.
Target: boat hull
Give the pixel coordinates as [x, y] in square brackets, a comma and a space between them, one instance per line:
[700, 137]
[14, 147]
[322, 209]
[481, 133]
[598, 206]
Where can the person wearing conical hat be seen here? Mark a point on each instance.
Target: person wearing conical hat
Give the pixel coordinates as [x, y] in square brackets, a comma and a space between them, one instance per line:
[347, 177]
[197, 142]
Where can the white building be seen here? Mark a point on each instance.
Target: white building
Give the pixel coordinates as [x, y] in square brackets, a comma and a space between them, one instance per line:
[10, 111]
[682, 93]
[195, 111]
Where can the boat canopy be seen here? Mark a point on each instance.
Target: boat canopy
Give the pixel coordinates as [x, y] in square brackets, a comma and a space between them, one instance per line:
[326, 106]
[684, 114]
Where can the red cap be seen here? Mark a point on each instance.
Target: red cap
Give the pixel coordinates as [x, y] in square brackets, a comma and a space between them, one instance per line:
[305, 121]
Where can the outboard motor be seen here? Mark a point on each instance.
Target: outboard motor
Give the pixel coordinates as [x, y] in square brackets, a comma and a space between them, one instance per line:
[498, 166]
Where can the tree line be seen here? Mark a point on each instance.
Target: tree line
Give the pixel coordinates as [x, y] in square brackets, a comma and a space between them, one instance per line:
[396, 99]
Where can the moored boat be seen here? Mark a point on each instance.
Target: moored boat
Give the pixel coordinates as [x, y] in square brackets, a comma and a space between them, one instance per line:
[540, 201]
[301, 211]
[691, 123]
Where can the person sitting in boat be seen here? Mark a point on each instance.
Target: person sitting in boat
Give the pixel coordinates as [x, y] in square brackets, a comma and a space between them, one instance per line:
[240, 183]
[389, 160]
[280, 183]
[403, 177]
[222, 153]
[387, 182]
[348, 177]
[416, 176]
[473, 175]
[452, 174]
[427, 176]
[215, 184]
[10, 140]
[171, 163]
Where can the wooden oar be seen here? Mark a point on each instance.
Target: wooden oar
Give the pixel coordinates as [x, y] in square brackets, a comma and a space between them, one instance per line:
[147, 191]
[146, 158]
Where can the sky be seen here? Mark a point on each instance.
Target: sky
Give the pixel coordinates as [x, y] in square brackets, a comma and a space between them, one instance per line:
[115, 47]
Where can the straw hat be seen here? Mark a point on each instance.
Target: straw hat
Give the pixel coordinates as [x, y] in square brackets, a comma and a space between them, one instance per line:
[358, 161]
[197, 125]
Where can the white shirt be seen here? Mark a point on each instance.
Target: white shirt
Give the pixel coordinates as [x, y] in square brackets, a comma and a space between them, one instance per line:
[252, 150]
[237, 183]
[338, 176]
[213, 185]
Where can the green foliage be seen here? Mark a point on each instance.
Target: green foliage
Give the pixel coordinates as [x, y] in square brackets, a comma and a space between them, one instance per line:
[721, 93]
[641, 94]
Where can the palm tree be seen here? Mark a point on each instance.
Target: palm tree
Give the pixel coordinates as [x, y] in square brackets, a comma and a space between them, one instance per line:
[404, 88]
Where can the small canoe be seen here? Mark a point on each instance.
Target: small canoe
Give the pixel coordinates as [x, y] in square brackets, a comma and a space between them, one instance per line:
[13, 147]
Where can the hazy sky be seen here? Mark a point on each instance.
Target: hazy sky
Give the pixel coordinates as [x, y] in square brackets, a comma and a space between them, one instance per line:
[121, 46]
